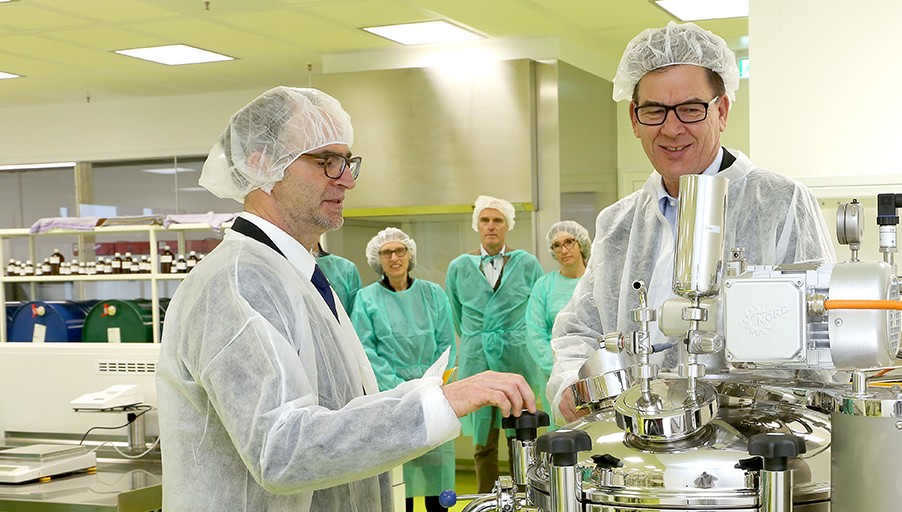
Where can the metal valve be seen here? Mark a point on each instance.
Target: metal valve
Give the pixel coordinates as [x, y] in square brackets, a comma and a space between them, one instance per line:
[613, 342]
[705, 342]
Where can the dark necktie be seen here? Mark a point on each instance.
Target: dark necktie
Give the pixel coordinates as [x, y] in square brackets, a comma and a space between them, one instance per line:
[319, 280]
[322, 286]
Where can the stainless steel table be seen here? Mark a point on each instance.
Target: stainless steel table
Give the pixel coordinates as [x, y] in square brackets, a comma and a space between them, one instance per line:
[122, 486]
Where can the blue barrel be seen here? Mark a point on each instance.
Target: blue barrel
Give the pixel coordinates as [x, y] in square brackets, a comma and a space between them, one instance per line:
[50, 321]
[11, 307]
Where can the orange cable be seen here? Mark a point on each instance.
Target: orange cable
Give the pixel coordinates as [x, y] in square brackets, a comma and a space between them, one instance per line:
[863, 304]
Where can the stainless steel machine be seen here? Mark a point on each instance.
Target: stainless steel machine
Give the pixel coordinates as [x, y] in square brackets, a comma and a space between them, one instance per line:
[783, 400]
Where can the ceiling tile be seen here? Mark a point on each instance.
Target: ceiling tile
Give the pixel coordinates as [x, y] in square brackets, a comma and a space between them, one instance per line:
[27, 17]
[369, 13]
[213, 36]
[108, 11]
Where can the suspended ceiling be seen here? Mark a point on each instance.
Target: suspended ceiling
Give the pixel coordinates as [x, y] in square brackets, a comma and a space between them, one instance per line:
[64, 48]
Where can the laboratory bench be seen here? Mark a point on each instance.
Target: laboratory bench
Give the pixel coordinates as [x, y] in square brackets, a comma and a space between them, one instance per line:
[120, 485]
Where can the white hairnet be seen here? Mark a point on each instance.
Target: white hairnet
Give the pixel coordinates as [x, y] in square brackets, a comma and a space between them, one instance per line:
[671, 45]
[268, 134]
[383, 237]
[483, 202]
[574, 229]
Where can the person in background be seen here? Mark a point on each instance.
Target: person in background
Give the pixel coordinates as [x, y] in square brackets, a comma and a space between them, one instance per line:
[569, 244]
[680, 81]
[267, 401]
[404, 325]
[342, 275]
[488, 289]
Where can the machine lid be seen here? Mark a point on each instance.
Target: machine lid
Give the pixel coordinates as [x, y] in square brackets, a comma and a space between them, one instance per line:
[701, 470]
[667, 412]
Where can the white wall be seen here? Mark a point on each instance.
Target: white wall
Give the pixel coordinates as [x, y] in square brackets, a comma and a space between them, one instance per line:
[154, 127]
[823, 103]
[824, 78]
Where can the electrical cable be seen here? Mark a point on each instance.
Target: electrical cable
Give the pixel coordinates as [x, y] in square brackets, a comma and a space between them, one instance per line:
[863, 304]
[143, 408]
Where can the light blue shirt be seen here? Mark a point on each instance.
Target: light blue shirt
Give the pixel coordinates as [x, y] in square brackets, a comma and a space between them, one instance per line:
[670, 205]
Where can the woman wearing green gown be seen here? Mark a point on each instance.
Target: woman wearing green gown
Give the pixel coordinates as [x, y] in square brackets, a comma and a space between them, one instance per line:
[405, 325]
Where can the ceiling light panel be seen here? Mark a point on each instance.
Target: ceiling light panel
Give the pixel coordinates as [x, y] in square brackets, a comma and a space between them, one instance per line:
[282, 26]
[426, 32]
[4, 75]
[174, 54]
[694, 10]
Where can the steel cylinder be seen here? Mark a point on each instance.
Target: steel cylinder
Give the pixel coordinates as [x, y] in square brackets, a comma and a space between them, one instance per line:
[698, 259]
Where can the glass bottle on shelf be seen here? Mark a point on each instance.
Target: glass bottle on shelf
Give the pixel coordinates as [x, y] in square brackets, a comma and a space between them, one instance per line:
[108, 266]
[144, 266]
[65, 268]
[191, 261]
[46, 268]
[55, 259]
[181, 266]
[116, 264]
[135, 266]
[166, 257]
[12, 268]
[29, 268]
[127, 263]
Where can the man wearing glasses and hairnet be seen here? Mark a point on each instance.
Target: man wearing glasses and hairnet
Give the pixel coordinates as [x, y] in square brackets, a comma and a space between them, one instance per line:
[680, 80]
[266, 398]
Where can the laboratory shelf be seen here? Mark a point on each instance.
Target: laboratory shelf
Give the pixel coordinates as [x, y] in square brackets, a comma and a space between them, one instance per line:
[151, 233]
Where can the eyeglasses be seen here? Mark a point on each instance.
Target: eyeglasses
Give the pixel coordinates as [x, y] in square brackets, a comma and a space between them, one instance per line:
[569, 243]
[386, 254]
[691, 112]
[334, 165]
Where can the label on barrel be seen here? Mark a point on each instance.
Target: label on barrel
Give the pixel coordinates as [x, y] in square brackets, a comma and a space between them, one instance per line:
[113, 335]
[39, 333]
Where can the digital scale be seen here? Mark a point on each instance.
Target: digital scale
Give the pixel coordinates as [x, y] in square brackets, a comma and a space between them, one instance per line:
[27, 463]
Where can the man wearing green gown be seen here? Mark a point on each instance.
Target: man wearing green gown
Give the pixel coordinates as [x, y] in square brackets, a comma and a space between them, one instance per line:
[489, 289]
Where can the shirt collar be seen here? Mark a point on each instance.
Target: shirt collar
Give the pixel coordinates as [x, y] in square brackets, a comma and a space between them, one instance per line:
[483, 252]
[296, 253]
[711, 170]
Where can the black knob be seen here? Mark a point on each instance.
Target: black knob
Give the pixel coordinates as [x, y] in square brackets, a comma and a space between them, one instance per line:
[606, 461]
[527, 424]
[563, 445]
[750, 464]
[776, 449]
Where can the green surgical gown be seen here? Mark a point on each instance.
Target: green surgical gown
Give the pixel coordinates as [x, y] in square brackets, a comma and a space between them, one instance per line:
[403, 333]
[549, 295]
[492, 325]
[343, 276]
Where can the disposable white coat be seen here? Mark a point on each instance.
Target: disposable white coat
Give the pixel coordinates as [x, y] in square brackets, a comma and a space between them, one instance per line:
[774, 218]
[261, 396]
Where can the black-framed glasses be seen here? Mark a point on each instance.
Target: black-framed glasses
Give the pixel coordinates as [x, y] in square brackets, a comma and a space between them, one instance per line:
[569, 243]
[386, 254]
[690, 112]
[334, 165]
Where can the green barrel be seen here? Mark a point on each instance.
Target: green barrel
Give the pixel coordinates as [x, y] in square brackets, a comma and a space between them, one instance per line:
[121, 321]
